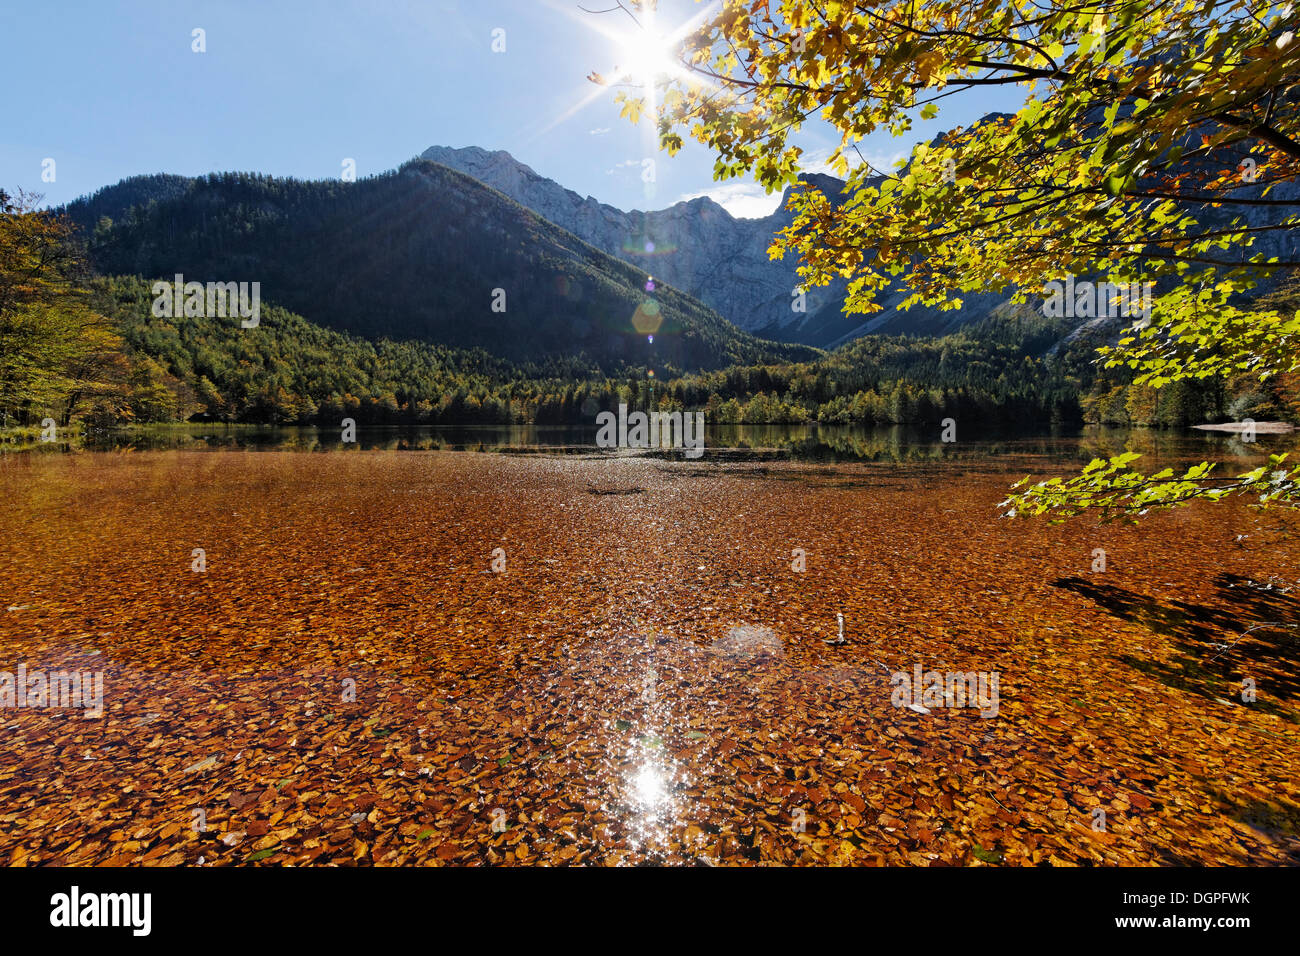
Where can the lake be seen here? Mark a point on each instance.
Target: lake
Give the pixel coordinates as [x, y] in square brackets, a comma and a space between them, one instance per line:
[560, 655]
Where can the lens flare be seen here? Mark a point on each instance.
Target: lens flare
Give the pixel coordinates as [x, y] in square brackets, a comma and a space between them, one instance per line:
[647, 318]
[637, 247]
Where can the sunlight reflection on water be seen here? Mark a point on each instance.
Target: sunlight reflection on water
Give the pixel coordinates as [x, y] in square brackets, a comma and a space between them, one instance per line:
[649, 786]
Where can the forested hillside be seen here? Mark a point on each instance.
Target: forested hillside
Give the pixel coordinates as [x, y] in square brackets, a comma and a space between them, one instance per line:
[421, 253]
[84, 349]
[290, 370]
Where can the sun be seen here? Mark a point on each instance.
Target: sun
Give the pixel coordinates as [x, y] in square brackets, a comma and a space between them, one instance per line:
[645, 57]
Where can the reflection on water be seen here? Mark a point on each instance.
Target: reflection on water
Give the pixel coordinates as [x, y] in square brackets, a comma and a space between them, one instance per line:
[895, 443]
[648, 683]
[649, 786]
[652, 811]
[747, 641]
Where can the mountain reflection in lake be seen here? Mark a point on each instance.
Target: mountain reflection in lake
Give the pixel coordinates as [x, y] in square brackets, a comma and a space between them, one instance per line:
[722, 442]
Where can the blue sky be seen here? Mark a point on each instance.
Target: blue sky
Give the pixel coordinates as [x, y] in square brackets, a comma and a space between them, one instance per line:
[112, 88]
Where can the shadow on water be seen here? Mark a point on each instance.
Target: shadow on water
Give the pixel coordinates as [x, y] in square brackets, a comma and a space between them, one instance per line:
[1278, 818]
[1254, 633]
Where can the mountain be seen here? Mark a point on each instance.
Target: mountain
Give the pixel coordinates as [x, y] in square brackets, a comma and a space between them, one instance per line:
[699, 247]
[702, 249]
[423, 253]
[696, 246]
[114, 202]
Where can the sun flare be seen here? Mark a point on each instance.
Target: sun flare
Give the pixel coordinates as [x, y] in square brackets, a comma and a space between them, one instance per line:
[645, 58]
[642, 55]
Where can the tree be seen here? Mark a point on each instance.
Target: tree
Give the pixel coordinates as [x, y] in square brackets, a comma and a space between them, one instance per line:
[1147, 151]
[55, 351]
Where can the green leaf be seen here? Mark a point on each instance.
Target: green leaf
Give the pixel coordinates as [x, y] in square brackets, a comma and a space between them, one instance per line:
[988, 856]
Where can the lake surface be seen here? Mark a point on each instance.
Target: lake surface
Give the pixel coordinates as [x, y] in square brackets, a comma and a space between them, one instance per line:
[378, 657]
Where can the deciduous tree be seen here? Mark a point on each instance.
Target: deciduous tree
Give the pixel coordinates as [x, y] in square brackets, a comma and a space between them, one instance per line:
[1149, 148]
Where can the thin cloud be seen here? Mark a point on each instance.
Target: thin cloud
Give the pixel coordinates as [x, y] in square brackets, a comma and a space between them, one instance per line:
[881, 161]
[627, 163]
[742, 200]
